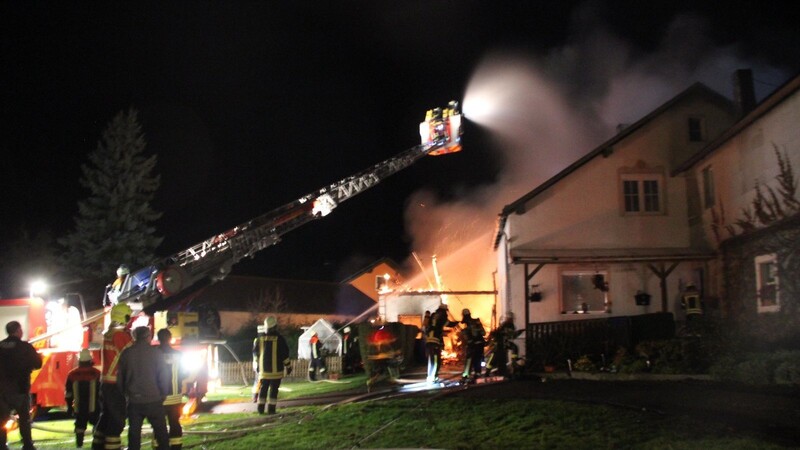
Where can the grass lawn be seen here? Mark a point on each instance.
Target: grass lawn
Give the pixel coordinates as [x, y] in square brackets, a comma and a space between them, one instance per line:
[432, 420]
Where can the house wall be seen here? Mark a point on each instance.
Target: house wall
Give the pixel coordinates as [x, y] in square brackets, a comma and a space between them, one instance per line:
[366, 281]
[737, 164]
[747, 158]
[584, 211]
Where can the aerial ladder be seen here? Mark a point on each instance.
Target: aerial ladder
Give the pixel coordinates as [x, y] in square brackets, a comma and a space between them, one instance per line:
[211, 260]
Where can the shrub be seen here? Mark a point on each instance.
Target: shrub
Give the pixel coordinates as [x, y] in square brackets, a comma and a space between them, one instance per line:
[759, 368]
[788, 371]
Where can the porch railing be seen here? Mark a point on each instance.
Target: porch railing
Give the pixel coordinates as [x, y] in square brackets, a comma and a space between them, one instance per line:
[552, 343]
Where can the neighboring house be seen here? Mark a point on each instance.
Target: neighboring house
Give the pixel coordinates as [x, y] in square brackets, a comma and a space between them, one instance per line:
[246, 301]
[747, 207]
[382, 274]
[612, 225]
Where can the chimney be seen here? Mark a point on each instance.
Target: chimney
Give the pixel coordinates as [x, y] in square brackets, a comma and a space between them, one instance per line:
[744, 94]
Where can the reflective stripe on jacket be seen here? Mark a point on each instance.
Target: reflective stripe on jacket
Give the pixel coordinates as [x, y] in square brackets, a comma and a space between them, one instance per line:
[115, 340]
[270, 356]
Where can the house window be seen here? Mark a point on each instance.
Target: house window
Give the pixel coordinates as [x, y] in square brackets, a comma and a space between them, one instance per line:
[696, 129]
[767, 283]
[584, 292]
[708, 187]
[642, 194]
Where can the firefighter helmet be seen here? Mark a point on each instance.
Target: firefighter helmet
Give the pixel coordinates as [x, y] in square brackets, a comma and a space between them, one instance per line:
[346, 329]
[123, 270]
[85, 356]
[121, 313]
[269, 323]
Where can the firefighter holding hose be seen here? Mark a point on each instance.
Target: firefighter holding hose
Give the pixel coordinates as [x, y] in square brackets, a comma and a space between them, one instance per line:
[434, 340]
[473, 337]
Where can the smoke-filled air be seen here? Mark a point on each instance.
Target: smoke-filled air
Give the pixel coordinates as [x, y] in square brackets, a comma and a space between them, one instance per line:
[543, 112]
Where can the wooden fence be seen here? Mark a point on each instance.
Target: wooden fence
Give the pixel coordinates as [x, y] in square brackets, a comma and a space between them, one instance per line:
[233, 373]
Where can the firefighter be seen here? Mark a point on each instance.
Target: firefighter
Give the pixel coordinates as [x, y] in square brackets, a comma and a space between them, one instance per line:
[502, 347]
[351, 354]
[434, 341]
[19, 360]
[82, 393]
[271, 361]
[144, 380]
[116, 287]
[384, 356]
[112, 412]
[473, 334]
[174, 400]
[317, 363]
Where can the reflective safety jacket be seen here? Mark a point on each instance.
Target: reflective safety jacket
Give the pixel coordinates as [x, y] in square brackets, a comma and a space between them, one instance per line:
[316, 347]
[473, 333]
[435, 329]
[176, 388]
[115, 340]
[270, 355]
[82, 389]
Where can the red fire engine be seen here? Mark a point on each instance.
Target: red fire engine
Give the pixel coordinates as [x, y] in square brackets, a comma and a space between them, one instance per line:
[58, 333]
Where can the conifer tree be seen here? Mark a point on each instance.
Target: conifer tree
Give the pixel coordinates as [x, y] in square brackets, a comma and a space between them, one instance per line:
[114, 224]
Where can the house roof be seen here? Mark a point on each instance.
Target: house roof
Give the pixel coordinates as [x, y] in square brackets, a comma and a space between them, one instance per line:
[518, 205]
[773, 100]
[244, 293]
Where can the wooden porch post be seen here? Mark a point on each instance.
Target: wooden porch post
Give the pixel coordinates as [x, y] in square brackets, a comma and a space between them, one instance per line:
[528, 278]
[662, 274]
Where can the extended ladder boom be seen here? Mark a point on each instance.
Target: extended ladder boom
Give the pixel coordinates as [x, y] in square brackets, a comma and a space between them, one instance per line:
[212, 259]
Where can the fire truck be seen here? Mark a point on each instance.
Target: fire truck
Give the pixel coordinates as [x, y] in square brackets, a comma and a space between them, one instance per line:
[153, 290]
[58, 333]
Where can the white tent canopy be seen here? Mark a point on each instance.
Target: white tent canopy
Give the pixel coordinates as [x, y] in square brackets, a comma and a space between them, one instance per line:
[331, 341]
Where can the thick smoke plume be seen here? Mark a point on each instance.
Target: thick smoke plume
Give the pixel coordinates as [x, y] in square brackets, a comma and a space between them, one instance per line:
[546, 111]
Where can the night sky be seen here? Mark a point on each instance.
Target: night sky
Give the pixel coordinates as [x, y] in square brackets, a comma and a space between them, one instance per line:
[250, 105]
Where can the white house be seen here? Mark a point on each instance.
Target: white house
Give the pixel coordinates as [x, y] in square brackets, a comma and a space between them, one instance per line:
[613, 224]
